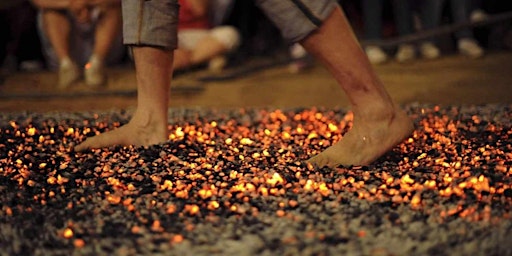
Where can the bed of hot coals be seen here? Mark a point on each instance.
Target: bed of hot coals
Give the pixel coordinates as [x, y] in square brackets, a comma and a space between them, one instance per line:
[234, 183]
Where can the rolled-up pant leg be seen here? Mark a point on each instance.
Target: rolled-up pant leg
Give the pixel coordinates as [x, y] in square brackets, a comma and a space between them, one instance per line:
[150, 22]
[297, 18]
[155, 22]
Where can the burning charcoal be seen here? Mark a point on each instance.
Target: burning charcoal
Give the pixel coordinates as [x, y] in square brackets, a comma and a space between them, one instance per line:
[233, 181]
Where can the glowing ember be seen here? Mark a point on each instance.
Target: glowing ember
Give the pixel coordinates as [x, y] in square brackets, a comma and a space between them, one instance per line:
[223, 177]
[68, 233]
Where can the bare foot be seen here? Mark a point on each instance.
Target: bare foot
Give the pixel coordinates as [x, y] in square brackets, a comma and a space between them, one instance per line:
[368, 139]
[135, 133]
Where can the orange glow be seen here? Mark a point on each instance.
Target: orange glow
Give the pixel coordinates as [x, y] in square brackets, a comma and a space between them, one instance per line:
[31, 131]
[275, 179]
[79, 243]
[177, 239]
[68, 233]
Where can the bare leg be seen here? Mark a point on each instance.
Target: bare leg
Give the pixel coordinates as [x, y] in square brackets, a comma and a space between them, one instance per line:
[57, 27]
[148, 125]
[181, 59]
[107, 30]
[378, 124]
[205, 50]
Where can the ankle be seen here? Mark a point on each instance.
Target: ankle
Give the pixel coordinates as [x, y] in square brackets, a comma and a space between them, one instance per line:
[374, 111]
[146, 119]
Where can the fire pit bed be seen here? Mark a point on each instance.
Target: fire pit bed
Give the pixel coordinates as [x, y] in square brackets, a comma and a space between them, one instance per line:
[235, 182]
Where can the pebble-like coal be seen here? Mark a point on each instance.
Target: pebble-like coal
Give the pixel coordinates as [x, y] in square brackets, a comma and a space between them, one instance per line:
[234, 183]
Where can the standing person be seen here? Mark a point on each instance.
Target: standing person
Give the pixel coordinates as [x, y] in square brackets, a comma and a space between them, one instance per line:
[372, 22]
[466, 43]
[430, 14]
[427, 12]
[80, 33]
[319, 25]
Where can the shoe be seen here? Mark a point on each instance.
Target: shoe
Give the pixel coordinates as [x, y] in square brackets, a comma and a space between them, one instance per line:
[69, 73]
[95, 73]
[470, 48]
[297, 51]
[299, 65]
[405, 53]
[376, 55]
[429, 51]
[217, 64]
[478, 15]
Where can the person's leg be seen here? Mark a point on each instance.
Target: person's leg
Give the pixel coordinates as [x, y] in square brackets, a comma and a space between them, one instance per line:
[107, 30]
[379, 124]
[430, 12]
[148, 125]
[404, 23]
[199, 46]
[195, 47]
[372, 22]
[466, 43]
[57, 29]
[153, 55]
[372, 19]
[206, 49]
[182, 59]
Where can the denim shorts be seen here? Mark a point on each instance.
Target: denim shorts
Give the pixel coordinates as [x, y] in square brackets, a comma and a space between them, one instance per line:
[155, 22]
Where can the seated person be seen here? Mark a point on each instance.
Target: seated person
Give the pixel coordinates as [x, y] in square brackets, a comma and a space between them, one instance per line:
[198, 41]
[80, 33]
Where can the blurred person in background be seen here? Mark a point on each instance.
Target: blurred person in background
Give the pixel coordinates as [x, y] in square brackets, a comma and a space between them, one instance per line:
[423, 13]
[200, 41]
[429, 16]
[373, 29]
[78, 35]
[372, 26]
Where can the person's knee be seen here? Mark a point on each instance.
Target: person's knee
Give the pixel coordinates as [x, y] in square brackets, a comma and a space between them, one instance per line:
[110, 9]
[49, 15]
[228, 36]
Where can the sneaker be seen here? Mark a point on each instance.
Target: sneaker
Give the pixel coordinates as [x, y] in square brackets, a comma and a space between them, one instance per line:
[217, 64]
[405, 53]
[95, 73]
[470, 48]
[429, 51]
[376, 55]
[69, 73]
[299, 65]
[478, 15]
